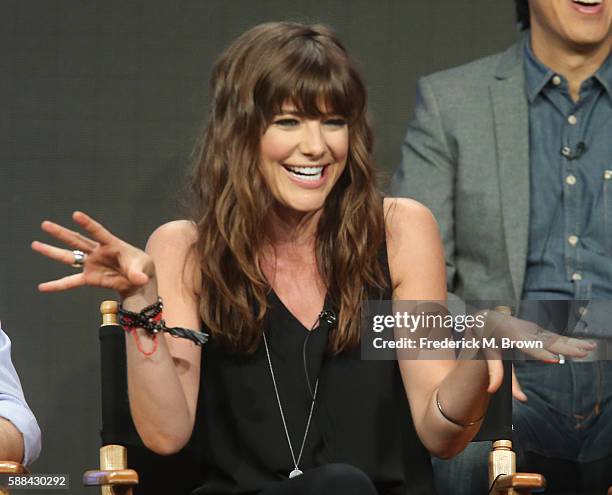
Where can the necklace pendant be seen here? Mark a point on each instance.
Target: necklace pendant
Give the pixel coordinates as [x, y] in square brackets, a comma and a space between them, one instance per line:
[295, 472]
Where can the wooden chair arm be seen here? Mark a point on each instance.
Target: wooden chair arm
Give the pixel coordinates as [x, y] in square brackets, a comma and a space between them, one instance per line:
[113, 478]
[520, 482]
[9, 467]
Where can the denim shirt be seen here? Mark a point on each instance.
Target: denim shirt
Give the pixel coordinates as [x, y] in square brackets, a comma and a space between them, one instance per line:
[570, 235]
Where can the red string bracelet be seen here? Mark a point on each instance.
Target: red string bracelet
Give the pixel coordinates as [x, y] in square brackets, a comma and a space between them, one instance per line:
[150, 320]
[130, 327]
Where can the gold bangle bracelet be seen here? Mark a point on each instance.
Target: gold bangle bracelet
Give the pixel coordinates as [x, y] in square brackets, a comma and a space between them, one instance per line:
[451, 420]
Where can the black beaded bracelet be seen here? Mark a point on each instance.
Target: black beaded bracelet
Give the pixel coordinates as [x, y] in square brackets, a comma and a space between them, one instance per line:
[150, 320]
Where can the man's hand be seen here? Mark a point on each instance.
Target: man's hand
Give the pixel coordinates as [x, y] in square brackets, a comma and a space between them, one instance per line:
[500, 325]
[11, 442]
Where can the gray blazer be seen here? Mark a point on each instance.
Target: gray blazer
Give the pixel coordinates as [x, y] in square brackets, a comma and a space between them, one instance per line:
[466, 157]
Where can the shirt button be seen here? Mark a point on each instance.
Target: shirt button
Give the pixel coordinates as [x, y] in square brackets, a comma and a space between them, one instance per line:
[566, 151]
[573, 240]
[572, 119]
[570, 179]
[576, 276]
[556, 80]
[607, 174]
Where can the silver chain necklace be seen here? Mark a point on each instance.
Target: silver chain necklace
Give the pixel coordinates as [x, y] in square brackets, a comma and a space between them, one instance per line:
[296, 471]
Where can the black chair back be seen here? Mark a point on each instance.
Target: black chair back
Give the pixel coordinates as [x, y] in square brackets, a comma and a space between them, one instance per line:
[174, 474]
[497, 424]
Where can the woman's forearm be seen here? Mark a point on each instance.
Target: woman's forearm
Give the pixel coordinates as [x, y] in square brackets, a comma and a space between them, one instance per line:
[157, 399]
[460, 399]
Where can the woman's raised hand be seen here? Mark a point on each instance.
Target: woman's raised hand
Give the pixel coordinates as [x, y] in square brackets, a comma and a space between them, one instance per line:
[109, 262]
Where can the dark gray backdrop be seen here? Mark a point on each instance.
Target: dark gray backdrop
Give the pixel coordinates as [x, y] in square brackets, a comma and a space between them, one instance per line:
[99, 106]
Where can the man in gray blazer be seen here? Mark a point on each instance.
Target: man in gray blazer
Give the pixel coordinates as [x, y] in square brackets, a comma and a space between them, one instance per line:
[513, 154]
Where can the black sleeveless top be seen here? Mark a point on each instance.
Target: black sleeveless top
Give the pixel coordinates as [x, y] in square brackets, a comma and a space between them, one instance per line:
[361, 416]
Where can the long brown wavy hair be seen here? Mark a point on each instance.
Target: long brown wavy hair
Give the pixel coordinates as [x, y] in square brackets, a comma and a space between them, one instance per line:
[230, 203]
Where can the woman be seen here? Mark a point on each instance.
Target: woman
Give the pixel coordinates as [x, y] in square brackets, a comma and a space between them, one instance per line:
[286, 221]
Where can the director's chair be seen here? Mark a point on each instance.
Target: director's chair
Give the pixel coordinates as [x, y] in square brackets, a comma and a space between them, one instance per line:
[150, 473]
[177, 474]
[497, 428]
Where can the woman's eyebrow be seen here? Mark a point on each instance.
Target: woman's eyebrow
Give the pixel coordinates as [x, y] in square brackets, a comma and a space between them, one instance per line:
[290, 111]
[303, 114]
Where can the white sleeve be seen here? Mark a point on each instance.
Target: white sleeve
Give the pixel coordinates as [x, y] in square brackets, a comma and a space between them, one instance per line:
[13, 405]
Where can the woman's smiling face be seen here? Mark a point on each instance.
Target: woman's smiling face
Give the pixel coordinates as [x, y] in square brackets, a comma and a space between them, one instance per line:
[303, 157]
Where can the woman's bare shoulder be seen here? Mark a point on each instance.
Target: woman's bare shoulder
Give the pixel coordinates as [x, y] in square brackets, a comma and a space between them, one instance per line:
[407, 217]
[171, 247]
[172, 235]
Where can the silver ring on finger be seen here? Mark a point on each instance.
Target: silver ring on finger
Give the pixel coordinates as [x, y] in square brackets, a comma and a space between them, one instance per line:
[79, 258]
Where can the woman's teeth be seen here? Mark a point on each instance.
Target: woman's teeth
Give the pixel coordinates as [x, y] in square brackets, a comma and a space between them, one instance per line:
[587, 2]
[306, 173]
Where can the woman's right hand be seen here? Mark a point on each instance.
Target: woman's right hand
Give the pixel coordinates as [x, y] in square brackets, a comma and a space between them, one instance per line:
[109, 263]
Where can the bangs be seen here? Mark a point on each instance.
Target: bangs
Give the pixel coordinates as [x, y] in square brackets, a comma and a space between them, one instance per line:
[316, 80]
